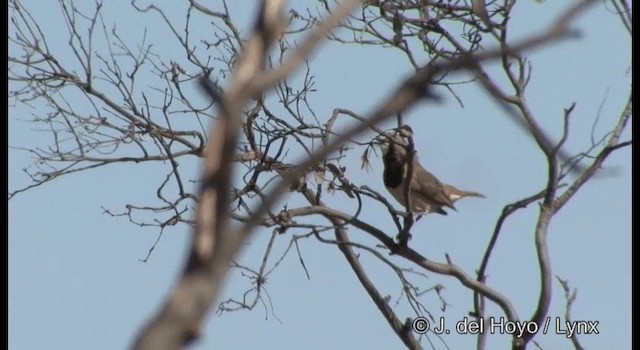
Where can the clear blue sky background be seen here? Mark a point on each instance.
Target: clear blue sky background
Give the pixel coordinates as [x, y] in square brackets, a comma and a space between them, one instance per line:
[75, 281]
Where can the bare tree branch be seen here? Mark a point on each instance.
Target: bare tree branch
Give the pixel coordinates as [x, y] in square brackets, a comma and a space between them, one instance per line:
[570, 297]
[97, 113]
[343, 239]
[178, 323]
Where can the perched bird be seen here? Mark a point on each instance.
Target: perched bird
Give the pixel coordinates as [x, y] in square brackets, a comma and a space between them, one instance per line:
[427, 193]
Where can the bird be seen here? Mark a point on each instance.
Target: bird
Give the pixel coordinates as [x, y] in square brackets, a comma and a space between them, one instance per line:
[427, 193]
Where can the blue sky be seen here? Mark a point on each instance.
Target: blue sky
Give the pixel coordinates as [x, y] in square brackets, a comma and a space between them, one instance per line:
[76, 282]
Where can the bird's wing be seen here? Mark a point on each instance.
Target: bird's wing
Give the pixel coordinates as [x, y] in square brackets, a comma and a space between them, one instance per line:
[426, 184]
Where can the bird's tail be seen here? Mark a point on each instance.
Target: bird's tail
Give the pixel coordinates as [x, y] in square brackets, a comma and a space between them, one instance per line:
[456, 194]
[471, 194]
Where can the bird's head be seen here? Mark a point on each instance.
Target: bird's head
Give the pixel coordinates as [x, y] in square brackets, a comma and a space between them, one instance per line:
[399, 136]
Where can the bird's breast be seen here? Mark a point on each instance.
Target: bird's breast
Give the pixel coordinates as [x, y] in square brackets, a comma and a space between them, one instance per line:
[393, 172]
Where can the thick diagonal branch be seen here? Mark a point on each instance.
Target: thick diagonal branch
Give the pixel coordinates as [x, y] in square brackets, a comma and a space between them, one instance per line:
[178, 322]
[343, 239]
